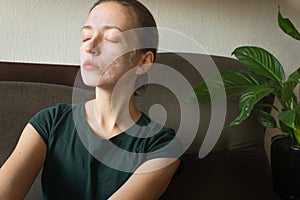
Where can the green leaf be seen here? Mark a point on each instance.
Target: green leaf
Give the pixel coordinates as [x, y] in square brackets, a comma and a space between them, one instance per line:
[247, 101]
[266, 105]
[285, 128]
[202, 94]
[264, 118]
[199, 95]
[235, 83]
[260, 62]
[278, 137]
[295, 76]
[297, 120]
[287, 93]
[288, 117]
[287, 26]
[297, 135]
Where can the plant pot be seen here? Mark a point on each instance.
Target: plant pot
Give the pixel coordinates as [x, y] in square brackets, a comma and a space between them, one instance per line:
[285, 163]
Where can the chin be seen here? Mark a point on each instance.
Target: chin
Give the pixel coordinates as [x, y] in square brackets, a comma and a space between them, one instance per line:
[90, 83]
[91, 78]
[96, 82]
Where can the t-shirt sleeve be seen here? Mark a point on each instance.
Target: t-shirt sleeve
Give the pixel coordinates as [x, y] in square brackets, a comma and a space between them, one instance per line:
[42, 122]
[164, 145]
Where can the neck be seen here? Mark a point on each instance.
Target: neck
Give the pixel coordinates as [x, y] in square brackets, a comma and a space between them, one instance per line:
[114, 113]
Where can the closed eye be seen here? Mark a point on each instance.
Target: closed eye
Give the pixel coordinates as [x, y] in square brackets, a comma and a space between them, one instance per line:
[85, 39]
[112, 35]
[112, 40]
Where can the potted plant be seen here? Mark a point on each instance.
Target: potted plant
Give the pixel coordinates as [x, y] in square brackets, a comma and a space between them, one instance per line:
[265, 76]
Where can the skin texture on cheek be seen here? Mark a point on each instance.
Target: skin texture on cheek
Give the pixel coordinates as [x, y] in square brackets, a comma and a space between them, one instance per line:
[120, 66]
[111, 74]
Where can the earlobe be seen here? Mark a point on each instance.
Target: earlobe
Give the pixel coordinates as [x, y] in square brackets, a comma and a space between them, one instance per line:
[146, 63]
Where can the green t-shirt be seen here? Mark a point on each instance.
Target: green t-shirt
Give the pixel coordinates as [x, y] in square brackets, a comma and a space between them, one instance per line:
[80, 165]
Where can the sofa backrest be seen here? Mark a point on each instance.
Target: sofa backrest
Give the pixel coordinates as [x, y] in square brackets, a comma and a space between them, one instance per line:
[27, 88]
[22, 97]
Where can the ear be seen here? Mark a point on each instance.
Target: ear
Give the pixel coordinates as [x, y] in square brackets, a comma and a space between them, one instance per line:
[146, 63]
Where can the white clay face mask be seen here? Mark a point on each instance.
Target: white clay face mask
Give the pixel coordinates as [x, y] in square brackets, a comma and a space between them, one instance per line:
[106, 62]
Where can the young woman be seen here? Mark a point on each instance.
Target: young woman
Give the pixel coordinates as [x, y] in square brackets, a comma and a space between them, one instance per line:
[55, 138]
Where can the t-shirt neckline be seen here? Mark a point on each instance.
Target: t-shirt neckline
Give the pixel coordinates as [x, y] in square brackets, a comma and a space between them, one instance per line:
[140, 122]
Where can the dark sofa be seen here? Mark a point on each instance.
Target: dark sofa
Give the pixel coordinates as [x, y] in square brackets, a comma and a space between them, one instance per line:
[236, 168]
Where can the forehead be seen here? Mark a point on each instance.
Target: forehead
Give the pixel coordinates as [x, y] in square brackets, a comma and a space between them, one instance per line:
[111, 14]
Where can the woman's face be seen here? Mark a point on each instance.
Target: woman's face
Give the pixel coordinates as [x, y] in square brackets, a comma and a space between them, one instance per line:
[106, 53]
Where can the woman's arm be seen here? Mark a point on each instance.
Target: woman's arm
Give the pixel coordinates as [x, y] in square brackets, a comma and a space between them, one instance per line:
[21, 168]
[148, 185]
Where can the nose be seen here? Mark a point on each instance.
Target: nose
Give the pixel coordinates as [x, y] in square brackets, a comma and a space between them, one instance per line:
[92, 47]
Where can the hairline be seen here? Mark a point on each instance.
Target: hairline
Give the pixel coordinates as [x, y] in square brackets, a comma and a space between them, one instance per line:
[132, 12]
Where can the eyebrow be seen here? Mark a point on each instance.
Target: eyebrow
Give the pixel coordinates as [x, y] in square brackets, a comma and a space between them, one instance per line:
[105, 27]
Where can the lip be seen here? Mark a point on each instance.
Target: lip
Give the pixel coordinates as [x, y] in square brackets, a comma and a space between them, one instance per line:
[90, 65]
